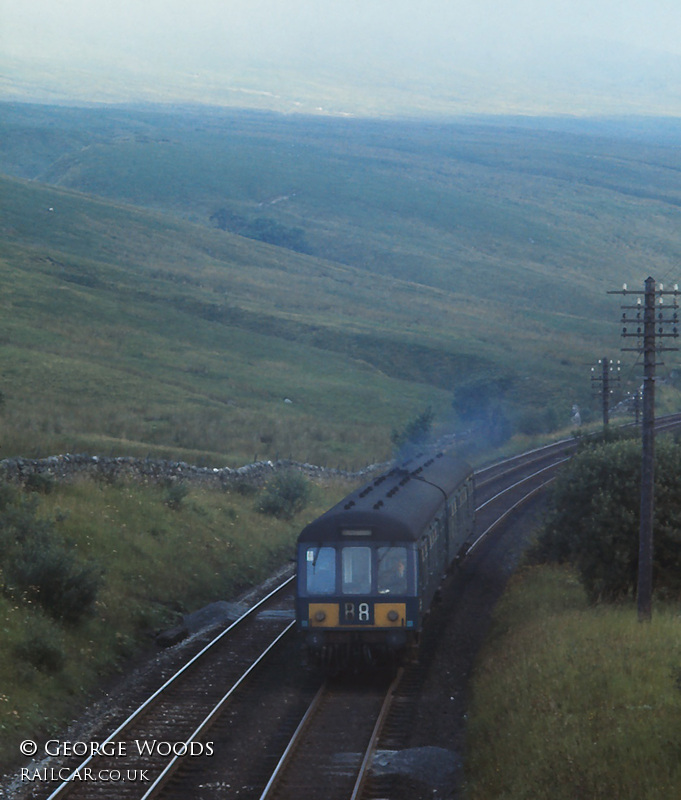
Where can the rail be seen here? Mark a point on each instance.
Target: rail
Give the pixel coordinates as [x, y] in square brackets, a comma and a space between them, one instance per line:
[67, 785]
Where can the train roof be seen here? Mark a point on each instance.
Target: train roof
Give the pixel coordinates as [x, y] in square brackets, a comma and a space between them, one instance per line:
[399, 504]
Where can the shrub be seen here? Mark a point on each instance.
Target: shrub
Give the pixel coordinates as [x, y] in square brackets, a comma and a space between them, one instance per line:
[38, 567]
[593, 522]
[48, 574]
[286, 495]
[415, 432]
[175, 495]
[40, 482]
[245, 487]
[42, 650]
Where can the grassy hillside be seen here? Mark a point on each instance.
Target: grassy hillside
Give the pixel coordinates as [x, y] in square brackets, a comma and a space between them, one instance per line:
[154, 555]
[574, 701]
[438, 259]
[126, 332]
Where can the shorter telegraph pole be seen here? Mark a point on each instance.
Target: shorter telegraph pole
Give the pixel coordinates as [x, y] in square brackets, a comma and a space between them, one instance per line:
[609, 375]
[633, 401]
[649, 326]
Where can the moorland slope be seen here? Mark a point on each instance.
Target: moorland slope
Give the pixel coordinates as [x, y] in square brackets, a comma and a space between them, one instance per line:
[172, 277]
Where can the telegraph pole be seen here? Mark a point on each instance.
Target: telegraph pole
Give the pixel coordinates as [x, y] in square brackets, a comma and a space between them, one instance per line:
[649, 327]
[605, 380]
[645, 539]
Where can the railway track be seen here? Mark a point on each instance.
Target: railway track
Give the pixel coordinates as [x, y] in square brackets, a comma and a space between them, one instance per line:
[341, 728]
[245, 708]
[330, 751]
[139, 757]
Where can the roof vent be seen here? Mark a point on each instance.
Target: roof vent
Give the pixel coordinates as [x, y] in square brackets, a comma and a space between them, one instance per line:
[378, 505]
[349, 505]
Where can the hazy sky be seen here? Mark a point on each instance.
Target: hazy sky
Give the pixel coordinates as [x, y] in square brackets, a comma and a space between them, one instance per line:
[208, 30]
[386, 35]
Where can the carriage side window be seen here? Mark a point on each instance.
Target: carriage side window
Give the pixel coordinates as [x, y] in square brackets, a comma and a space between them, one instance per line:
[392, 570]
[321, 570]
[356, 570]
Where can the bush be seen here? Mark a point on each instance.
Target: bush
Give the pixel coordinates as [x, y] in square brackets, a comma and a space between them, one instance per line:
[43, 651]
[415, 432]
[285, 496]
[40, 482]
[593, 522]
[175, 495]
[37, 567]
[48, 574]
[245, 487]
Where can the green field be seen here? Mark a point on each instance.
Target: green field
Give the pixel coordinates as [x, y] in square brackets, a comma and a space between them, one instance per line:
[438, 259]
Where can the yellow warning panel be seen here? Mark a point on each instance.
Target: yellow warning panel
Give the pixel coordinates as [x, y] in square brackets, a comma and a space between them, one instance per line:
[390, 615]
[323, 615]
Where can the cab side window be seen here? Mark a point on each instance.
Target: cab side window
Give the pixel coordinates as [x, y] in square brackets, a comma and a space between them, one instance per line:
[320, 564]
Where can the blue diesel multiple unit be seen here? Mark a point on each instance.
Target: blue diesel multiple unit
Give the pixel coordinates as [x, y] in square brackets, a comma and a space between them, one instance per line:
[368, 568]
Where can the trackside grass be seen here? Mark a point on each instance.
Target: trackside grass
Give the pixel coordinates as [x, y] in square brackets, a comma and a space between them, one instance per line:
[572, 701]
[160, 553]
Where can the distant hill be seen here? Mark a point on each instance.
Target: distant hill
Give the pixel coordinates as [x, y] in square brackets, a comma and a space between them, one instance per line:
[458, 263]
[578, 76]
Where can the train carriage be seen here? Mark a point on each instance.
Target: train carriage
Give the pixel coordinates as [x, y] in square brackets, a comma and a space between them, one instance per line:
[369, 567]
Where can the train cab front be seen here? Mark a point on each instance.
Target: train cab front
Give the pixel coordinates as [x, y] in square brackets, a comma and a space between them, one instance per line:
[356, 600]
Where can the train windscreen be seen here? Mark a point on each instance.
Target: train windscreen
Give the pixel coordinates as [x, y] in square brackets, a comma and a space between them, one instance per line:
[392, 570]
[356, 564]
[320, 570]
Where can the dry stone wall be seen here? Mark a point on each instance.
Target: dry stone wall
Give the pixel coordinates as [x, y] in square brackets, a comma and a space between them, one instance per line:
[69, 467]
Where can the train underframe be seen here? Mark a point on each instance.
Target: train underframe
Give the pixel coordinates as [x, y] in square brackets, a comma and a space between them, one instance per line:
[338, 651]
